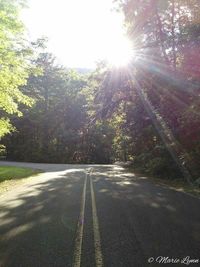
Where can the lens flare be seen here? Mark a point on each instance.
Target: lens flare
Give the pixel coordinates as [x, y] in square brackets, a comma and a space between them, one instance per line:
[120, 53]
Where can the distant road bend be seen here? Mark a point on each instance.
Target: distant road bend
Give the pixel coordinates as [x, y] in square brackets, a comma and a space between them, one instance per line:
[95, 216]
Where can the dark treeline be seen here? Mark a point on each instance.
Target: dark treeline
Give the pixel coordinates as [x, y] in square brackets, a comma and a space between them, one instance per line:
[147, 112]
[56, 128]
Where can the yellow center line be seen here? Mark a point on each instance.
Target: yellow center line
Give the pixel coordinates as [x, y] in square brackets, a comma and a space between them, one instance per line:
[97, 239]
[79, 233]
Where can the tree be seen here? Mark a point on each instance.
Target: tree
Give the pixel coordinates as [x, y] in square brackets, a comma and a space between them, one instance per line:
[164, 89]
[147, 112]
[15, 64]
[52, 125]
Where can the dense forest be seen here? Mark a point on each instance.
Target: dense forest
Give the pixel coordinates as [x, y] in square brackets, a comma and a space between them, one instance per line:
[147, 112]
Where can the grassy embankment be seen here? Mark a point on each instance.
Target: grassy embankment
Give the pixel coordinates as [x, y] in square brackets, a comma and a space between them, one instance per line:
[10, 176]
[177, 184]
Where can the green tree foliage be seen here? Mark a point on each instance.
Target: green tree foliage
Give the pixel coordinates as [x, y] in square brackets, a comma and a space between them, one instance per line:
[57, 128]
[48, 131]
[159, 92]
[14, 63]
[147, 112]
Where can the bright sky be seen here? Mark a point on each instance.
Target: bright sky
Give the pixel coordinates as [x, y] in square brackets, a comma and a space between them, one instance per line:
[79, 31]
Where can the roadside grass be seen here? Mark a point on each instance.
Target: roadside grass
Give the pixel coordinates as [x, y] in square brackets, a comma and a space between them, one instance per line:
[10, 176]
[176, 184]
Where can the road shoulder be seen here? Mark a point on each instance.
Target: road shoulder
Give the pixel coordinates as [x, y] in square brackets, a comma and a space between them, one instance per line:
[176, 184]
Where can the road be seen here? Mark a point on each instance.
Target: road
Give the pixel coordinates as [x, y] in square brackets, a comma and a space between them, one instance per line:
[96, 215]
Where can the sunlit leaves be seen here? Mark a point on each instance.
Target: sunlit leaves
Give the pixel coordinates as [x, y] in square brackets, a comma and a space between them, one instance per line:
[15, 62]
[5, 127]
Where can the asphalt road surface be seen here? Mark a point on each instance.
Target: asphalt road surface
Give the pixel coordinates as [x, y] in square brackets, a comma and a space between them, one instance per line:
[96, 216]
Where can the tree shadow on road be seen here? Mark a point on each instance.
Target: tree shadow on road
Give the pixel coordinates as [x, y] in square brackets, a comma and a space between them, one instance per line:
[37, 226]
[139, 219]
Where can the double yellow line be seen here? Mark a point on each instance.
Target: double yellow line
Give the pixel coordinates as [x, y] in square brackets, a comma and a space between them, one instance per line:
[79, 233]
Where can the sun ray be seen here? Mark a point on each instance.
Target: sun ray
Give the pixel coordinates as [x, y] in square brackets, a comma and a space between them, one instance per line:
[120, 52]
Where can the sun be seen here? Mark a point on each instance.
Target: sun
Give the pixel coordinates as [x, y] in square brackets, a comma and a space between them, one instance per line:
[120, 52]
